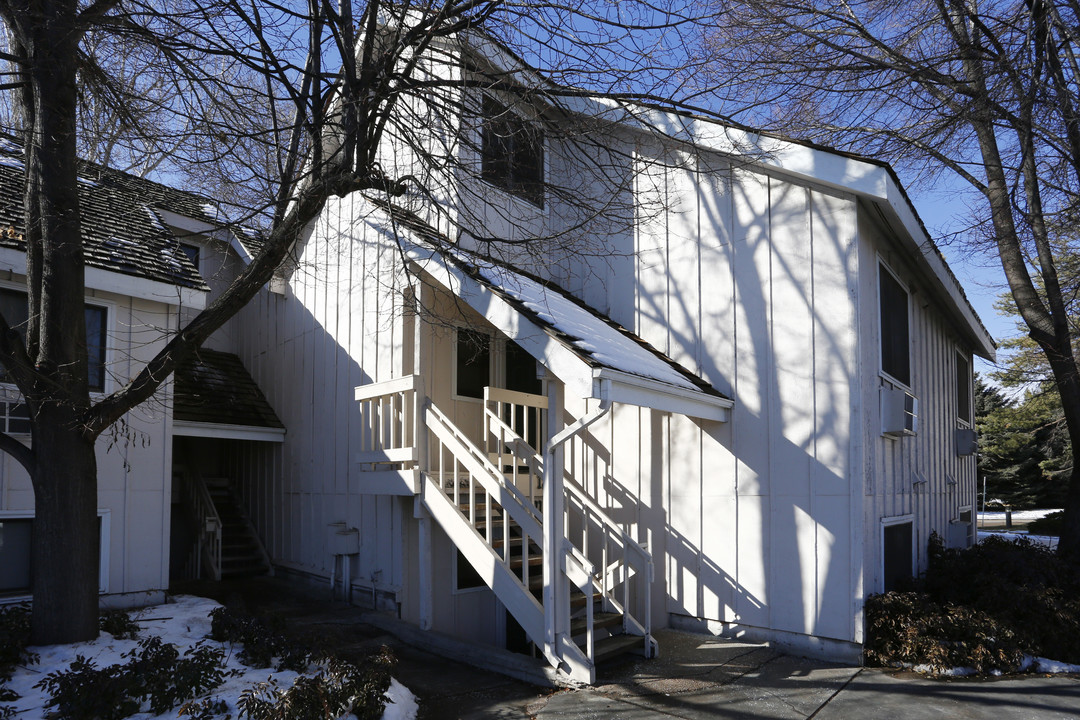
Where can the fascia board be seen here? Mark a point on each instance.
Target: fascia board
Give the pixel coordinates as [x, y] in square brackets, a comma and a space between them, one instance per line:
[198, 227]
[901, 209]
[643, 392]
[228, 432]
[107, 281]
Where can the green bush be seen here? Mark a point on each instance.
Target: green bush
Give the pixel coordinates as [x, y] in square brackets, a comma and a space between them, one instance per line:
[155, 671]
[981, 607]
[340, 688]
[119, 624]
[1047, 525]
[14, 637]
[262, 643]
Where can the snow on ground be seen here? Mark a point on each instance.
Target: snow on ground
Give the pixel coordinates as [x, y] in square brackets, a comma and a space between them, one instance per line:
[1049, 541]
[1018, 516]
[183, 622]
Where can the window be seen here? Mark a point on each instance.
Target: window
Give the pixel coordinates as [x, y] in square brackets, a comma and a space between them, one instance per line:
[192, 252]
[895, 346]
[897, 556]
[13, 306]
[963, 388]
[511, 152]
[16, 569]
[14, 417]
[473, 363]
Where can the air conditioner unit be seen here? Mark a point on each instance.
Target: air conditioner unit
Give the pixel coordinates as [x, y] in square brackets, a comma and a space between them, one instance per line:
[967, 442]
[899, 412]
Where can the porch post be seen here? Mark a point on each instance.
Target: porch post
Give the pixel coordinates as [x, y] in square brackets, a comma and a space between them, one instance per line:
[556, 590]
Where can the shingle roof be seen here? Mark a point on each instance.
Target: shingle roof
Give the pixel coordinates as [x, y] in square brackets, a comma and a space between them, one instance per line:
[121, 230]
[214, 387]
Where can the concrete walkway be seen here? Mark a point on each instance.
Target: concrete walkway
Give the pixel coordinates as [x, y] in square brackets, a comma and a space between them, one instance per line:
[696, 677]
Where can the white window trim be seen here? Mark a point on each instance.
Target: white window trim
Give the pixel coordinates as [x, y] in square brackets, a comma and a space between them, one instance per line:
[110, 339]
[105, 515]
[454, 589]
[881, 359]
[888, 522]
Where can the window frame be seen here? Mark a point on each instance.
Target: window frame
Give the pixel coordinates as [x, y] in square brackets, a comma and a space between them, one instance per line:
[107, 337]
[884, 266]
[492, 362]
[105, 534]
[504, 172]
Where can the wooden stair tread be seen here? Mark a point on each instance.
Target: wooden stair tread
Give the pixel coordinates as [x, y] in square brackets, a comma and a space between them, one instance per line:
[601, 620]
[615, 645]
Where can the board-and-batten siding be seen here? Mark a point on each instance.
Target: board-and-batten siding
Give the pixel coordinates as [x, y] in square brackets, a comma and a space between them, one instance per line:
[339, 325]
[919, 475]
[751, 282]
[134, 462]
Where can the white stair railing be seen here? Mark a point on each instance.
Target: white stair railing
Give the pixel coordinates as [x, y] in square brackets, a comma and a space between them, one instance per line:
[514, 423]
[207, 524]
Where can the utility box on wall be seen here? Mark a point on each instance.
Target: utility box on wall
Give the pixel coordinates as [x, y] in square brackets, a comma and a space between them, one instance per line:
[967, 442]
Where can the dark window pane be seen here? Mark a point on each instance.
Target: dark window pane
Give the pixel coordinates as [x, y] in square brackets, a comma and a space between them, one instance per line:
[15, 556]
[898, 559]
[18, 418]
[467, 577]
[512, 152]
[473, 363]
[521, 370]
[95, 346]
[192, 252]
[895, 351]
[13, 306]
[963, 389]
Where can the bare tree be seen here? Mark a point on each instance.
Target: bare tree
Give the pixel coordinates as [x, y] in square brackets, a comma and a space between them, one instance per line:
[296, 102]
[985, 90]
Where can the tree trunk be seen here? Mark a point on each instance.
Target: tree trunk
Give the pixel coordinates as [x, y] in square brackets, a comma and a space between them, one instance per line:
[65, 544]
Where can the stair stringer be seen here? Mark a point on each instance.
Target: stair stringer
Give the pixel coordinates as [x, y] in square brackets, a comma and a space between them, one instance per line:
[514, 596]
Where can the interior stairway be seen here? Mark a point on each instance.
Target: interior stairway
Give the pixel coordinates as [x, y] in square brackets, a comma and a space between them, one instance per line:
[242, 553]
[610, 641]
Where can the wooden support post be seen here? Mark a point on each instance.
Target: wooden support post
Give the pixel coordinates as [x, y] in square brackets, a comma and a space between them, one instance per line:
[556, 590]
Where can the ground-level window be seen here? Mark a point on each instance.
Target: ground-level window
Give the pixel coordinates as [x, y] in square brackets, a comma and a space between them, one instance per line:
[466, 577]
[895, 345]
[16, 569]
[963, 388]
[15, 309]
[898, 558]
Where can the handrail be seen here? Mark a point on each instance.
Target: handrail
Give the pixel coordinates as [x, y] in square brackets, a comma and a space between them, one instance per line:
[509, 497]
[208, 522]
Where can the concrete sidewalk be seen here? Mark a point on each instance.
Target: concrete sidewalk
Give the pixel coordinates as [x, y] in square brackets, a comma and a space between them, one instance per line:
[696, 676]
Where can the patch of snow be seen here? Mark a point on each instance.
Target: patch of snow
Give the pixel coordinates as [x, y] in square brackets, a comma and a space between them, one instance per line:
[1042, 665]
[603, 342]
[402, 705]
[947, 672]
[12, 162]
[1018, 516]
[214, 212]
[1047, 540]
[154, 219]
[184, 622]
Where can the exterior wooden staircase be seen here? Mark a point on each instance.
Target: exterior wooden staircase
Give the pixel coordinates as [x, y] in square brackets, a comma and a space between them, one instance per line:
[576, 583]
[227, 544]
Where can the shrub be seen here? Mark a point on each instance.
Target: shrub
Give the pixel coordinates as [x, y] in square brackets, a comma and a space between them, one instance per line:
[119, 624]
[154, 671]
[14, 637]
[262, 643]
[340, 688]
[1048, 525]
[980, 607]
[909, 629]
[7, 695]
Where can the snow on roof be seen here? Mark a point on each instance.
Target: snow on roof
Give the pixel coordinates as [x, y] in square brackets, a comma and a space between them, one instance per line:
[584, 329]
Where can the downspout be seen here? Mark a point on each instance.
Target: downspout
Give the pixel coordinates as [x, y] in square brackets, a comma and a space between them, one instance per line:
[555, 584]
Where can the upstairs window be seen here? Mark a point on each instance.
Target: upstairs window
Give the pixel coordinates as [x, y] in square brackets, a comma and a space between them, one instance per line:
[512, 152]
[192, 252]
[895, 339]
[13, 306]
[963, 389]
